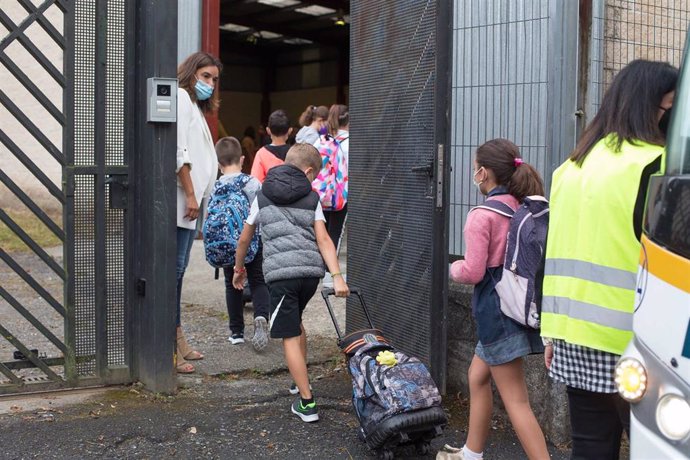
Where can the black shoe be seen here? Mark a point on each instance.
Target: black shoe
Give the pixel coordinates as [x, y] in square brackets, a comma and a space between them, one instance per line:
[307, 413]
[236, 339]
[294, 390]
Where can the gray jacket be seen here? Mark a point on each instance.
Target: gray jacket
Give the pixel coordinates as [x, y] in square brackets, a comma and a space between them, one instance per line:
[286, 214]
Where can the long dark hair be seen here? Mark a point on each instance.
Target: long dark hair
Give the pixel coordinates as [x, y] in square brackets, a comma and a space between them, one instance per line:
[630, 106]
[503, 158]
[186, 76]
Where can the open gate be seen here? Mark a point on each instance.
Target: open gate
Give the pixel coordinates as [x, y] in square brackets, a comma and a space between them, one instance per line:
[70, 121]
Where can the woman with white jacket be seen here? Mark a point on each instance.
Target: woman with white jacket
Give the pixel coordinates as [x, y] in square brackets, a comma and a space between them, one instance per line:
[197, 167]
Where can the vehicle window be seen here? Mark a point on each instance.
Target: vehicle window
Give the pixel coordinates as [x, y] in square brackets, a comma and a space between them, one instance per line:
[678, 142]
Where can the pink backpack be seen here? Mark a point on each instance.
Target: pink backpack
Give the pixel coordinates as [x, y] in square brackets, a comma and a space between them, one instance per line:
[331, 183]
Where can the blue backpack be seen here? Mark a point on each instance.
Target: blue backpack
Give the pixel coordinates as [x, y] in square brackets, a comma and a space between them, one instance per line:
[228, 208]
[519, 289]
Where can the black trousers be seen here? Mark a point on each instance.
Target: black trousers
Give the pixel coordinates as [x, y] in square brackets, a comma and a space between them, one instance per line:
[335, 220]
[597, 421]
[233, 297]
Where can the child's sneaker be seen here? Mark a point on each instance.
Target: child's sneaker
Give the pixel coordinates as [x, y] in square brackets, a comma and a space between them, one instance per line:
[294, 390]
[307, 413]
[260, 339]
[236, 339]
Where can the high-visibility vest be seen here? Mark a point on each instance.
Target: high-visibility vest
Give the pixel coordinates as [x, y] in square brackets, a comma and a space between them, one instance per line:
[592, 251]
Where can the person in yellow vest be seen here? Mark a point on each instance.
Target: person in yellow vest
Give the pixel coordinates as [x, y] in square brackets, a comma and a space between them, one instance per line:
[597, 203]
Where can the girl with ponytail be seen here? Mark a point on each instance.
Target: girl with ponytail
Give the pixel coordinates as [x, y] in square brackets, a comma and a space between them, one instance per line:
[500, 174]
[313, 122]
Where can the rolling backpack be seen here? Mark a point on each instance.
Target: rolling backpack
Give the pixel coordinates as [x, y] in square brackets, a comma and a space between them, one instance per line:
[519, 289]
[331, 182]
[228, 208]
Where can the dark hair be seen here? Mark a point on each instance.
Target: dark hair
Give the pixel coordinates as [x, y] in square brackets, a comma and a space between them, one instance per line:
[304, 156]
[186, 76]
[500, 155]
[630, 106]
[311, 113]
[228, 151]
[249, 132]
[278, 123]
[338, 116]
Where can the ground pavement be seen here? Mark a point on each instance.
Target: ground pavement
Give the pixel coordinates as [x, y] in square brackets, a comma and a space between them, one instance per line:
[236, 406]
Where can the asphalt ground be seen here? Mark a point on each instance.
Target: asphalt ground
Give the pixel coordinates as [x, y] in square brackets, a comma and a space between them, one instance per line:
[235, 406]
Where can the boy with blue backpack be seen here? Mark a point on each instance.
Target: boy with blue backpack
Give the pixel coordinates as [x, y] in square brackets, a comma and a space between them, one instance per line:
[228, 208]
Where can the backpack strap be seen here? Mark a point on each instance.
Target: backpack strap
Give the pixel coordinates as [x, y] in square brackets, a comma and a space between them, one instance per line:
[496, 206]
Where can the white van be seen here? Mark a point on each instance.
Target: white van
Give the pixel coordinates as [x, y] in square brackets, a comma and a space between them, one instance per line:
[654, 372]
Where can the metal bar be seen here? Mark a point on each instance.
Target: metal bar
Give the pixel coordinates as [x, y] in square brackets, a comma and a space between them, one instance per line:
[38, 250]
[31, 127]
[16, 31]
[31, 282]
[32, 88]
[10, 375]
[100, 235]
[28, 354]
[32, 319]
[22, 364]
[439, 262]
[29, 46]
[71, 374]
[28, 202]
[31, 166]
[44, 23]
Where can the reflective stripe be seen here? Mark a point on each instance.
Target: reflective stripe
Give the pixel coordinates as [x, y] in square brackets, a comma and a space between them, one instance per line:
[591, 272]
[587, 312]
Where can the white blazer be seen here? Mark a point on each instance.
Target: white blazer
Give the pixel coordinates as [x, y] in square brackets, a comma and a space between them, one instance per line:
[195, 148]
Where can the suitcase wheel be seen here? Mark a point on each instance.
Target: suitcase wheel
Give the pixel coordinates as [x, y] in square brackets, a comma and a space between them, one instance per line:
[386, 454]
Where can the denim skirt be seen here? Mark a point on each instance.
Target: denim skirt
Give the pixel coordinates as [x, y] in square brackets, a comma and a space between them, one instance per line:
[501, 339]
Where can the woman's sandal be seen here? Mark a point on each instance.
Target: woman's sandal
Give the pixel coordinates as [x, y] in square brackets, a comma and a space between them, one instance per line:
[184, 349]
[185, 368]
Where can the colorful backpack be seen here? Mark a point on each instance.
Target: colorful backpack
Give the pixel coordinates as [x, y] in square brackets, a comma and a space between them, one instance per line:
[331, 183]
[519, 289]
[228, 208]
[381, 391]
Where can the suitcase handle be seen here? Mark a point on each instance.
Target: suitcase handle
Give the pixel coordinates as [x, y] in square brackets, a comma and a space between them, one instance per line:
[328, 292]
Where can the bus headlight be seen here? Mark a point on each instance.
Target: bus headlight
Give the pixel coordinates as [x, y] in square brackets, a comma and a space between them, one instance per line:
[631, 379]
[673, 417]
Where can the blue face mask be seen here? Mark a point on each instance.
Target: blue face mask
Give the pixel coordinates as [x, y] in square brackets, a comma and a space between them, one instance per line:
[202, 90]
[323, 130]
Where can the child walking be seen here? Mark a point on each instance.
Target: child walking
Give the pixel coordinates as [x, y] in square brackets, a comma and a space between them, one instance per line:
[230, 158]
[500, 174]
[296, 246]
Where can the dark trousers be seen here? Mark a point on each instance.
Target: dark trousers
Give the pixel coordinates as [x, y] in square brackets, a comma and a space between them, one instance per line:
[335, 220]
[233, 297]
[597, 422]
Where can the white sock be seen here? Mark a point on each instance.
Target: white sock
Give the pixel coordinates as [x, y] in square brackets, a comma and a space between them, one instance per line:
[470, 455]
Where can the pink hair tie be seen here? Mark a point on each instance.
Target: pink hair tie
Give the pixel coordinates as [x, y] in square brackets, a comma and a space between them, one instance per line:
[518, 162]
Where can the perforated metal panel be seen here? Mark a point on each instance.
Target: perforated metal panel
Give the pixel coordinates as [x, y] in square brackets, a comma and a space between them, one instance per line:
[99, 229]
[393, 148]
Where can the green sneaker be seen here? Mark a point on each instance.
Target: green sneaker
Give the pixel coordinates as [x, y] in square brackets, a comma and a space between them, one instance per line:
[307, 413]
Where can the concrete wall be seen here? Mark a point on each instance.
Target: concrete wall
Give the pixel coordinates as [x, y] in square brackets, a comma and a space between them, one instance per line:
[547, 398]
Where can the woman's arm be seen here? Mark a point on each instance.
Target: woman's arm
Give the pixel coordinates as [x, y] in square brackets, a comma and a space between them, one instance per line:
[184, 162]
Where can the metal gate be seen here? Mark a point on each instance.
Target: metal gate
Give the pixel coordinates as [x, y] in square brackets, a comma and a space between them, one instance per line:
[397, 223]
[71, 120]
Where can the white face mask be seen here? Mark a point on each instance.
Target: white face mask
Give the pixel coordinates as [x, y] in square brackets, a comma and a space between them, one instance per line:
[474, 181]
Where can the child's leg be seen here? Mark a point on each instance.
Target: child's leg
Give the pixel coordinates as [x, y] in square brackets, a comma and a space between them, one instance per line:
[303, 342]
[255, 275]
[297, 363]
[481, 404]
[510, 381]
[233, 301]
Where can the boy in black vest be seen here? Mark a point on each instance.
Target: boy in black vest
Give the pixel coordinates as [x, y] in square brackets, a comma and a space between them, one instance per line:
[296, 245]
